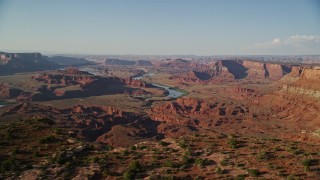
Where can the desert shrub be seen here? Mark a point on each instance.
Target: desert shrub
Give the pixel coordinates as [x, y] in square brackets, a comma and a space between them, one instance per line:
[263, 155]
[135, 166]
[45, 121]
[306, 168]
[156, 157]
[15, 150]
[133, 148]
[199, 178]
[36, 154]
[241, 177]
[107, 148]
[309, 162]
[47, 139]
[125, 153]
[188, 151]
[224, 162]
[128, 175]
[254, 172]
[201, 162]
[58, 130]
[9, 135]
[62, 158]
[240, 165]
[9, 165]
[105, 173]
[290, 177]
[293, 149]
[182, 143]
[168, 163]
[218, 170]
[162, 143]
[233, 143]
[186, 160]
[142, 147]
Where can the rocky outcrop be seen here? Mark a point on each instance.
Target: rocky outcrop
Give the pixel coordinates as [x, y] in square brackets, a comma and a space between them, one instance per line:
[193, 112]
[124, 135]
[134, 83]
[307, 82]
[221, 71]
[8, 92]
[238, 92]
[295, 71]
[4, 91]
[250, 69]
[70, 76]
[192, 76]
[230, 70]
[73, 76]
[260, 70]
[64, 79]
[84, 85]
[92, 120]
[311, 73]
[301, 91]
[103, 124]
[175, 63]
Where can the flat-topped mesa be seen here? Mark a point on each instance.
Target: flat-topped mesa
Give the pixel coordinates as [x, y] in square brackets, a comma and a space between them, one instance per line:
[97, 110]
[191, 76]
[64, 79]
[11, 63]
[173, 63]
[305, 72]
[74, 71]
[261, 70]
[134, 83]
[4, 58]
[240, 69]
[9, 56]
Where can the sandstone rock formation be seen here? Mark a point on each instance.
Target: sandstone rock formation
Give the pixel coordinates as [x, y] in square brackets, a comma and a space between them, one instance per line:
[7, 91]
[197, 113]
[230, 70]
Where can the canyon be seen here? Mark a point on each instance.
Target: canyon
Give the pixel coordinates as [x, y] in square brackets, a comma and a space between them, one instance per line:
[128, 105]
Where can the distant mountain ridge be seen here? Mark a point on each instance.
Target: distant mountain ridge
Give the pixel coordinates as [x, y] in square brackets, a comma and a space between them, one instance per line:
[127, 62]
[24, 62]
[70, 61]
[11, 63]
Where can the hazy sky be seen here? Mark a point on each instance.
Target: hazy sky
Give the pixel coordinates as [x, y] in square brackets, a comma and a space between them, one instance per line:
[158, 27]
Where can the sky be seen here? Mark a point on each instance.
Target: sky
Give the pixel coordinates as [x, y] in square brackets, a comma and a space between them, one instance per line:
[161, 27]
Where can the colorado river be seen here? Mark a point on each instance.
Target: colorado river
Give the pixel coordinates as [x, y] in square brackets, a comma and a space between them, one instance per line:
[172, 93]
